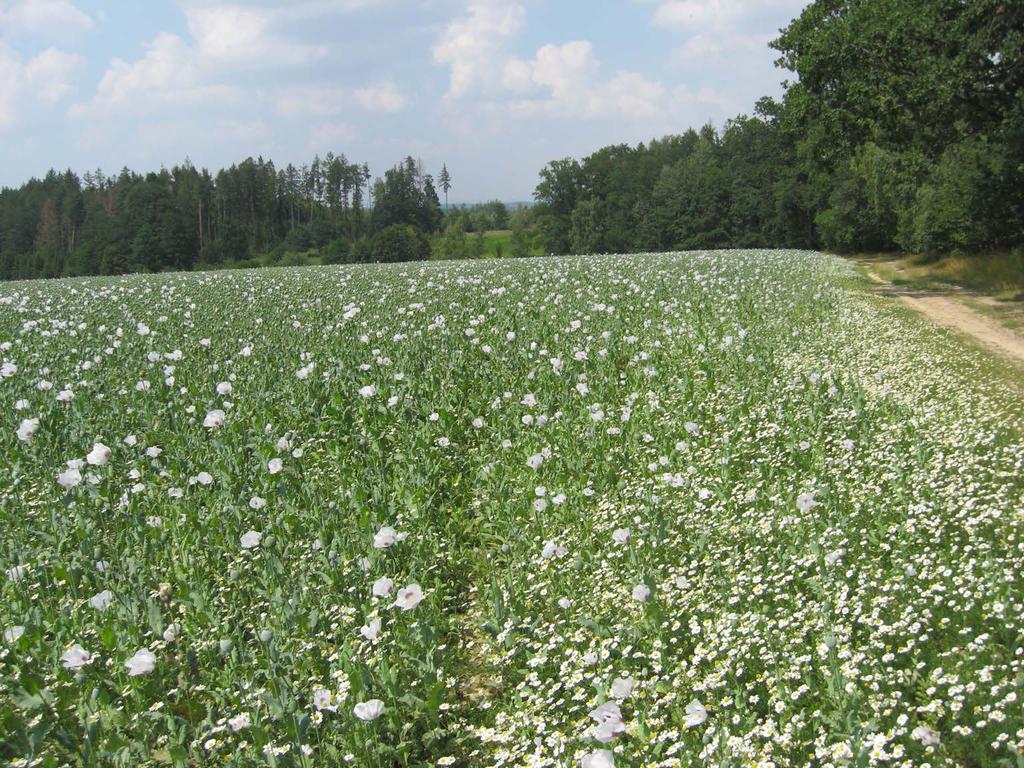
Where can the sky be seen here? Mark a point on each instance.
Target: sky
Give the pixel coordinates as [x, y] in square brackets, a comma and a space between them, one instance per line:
[493, 88]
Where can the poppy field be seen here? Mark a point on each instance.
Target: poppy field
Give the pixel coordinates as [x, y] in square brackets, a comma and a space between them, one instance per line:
[720, 508]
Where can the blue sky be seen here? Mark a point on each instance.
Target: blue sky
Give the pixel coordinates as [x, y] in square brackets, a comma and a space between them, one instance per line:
[493, 88]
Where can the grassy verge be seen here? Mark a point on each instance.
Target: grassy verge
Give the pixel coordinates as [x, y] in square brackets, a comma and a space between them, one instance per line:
[998, 275]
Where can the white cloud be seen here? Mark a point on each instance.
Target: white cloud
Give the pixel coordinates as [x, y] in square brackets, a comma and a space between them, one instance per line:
[698, 16]
[168, 74]
[562, 80]
[43, 80]
[329, 100]
[326, 137]
[473, 43]
[383, 97]
[233, 34]
[311, 100]
[44, 18]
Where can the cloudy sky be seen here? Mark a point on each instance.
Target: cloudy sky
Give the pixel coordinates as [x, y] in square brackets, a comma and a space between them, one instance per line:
[494, 88]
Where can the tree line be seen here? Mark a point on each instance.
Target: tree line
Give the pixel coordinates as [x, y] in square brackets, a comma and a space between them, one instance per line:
[904, 131]
[185, 217]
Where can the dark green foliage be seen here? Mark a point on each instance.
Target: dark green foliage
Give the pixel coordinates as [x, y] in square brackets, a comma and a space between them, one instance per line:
[399, 242]
[904, 131]
[248, 214]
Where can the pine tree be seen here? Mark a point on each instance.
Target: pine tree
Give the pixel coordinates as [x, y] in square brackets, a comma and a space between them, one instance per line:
[445, 180]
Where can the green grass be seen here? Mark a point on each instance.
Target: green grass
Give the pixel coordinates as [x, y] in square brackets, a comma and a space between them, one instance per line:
[999, 275]
[728, 504]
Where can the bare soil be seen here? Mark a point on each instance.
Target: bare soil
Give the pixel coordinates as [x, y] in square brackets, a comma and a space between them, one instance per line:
[946, 309]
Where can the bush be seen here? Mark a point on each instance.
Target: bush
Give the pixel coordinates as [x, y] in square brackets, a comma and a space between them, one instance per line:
[399, 242]
[338, 251]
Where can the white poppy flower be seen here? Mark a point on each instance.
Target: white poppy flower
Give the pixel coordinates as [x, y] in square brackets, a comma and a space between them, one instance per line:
[27, 429]
[11, 634]
[102, 600]
[369, 710]
[368, 391]
[641, 593]
[99, 455]
[142, 663]
[371, 629]
[609, 722]
[69, 478]
[409, 597]
[75, 657]
[257, 502]
[323, 700]
[383, 587]
[928, 737]
[274, 466]
[225, 389]
[535, 461]
[387, 537]
[251, 539]
[214, 419]
[240, 722]
[621, 535]
[599, 758]
[695, 714]
[805, 502]
[551, 549]
[172, 632]
[622, 687]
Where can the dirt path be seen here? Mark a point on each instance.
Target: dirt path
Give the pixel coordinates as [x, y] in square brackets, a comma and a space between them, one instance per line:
[947, 311]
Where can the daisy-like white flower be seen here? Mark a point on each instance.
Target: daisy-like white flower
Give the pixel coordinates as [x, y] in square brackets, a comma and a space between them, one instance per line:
[27, 429]
[369, 710]
[409, 597]
[696, 714]
[251, 539]
[99, 455]
[75, 657]
[142, 663]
